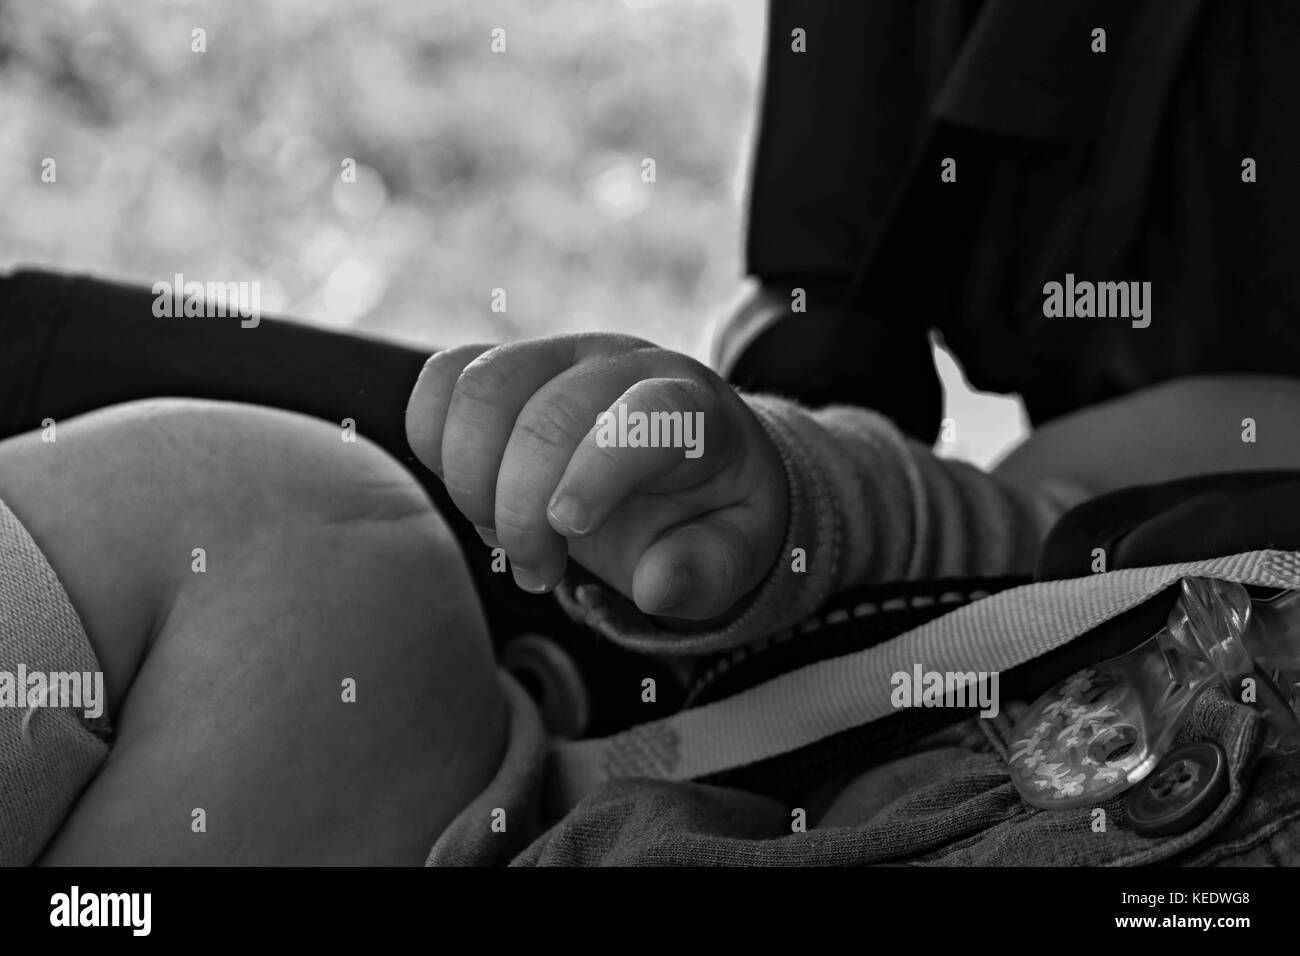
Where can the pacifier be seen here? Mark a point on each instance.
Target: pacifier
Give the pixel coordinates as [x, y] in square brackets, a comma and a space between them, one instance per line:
[1106, 727]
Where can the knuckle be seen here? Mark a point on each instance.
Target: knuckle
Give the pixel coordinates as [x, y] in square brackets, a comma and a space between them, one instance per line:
[670, 395]
[483, 380]
[559, 423]
[518, 530]
[602, 458]
[429, 369]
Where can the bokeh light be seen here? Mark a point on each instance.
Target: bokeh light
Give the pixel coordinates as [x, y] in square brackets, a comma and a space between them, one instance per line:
[474, 170]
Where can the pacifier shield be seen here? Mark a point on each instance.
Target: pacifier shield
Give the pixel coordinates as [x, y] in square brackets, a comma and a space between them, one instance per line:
[1077, 744]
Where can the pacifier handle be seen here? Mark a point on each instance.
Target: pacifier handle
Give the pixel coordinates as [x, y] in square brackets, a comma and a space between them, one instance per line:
[1273, 641]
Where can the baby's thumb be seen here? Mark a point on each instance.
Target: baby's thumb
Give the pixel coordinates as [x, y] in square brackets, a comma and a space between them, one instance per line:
[697, 571]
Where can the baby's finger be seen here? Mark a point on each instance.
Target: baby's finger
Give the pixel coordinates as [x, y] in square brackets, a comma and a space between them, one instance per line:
[426, 410]
[545, 436]
[613, 461]
[490, 393]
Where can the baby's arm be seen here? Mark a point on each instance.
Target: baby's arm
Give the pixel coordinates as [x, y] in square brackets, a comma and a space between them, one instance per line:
[902, 513]
[550, 447]
[866, 505]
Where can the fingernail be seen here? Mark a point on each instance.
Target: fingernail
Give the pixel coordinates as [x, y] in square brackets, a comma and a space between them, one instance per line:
[530, 580]
[677, 591]
[489, 536]
[570, 514]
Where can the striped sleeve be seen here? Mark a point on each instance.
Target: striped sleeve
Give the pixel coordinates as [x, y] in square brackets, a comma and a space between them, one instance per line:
[867, 505]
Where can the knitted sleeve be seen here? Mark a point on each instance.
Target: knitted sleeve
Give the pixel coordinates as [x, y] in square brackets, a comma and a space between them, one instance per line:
[866, 505]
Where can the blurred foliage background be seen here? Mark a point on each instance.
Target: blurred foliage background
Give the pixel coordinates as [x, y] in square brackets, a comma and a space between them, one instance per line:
[475, 170]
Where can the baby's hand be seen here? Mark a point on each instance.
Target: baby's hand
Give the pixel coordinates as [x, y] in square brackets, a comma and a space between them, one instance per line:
[548, 446]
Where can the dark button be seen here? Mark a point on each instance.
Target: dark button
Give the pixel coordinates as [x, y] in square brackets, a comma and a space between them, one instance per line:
[1182, 791]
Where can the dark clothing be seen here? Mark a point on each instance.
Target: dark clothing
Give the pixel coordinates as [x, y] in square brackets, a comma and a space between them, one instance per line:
[1116, 166]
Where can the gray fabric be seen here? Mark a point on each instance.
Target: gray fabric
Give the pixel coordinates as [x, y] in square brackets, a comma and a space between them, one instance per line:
[514, 797]
[45, 764]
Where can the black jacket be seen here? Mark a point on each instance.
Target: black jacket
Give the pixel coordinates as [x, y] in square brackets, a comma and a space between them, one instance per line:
[1125, 165]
